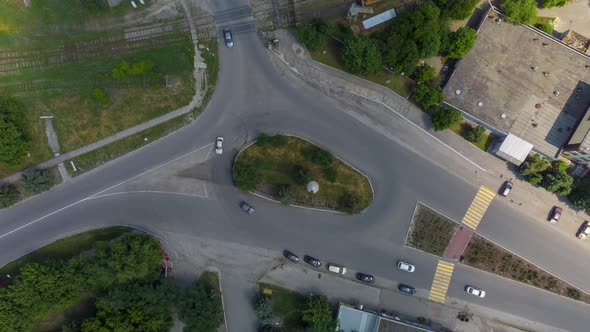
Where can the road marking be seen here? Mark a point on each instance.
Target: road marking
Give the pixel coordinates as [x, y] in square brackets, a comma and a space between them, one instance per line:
[478, 207]
[440, 282]
[100, 192]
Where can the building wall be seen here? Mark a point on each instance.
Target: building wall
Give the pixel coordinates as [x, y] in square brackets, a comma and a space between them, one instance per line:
[578, 156]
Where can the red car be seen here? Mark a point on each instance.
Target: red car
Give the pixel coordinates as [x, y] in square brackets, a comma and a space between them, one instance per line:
[555, 214]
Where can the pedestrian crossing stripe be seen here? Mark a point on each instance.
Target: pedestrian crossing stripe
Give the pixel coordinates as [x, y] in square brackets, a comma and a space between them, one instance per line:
[440, 282]
[478, 207]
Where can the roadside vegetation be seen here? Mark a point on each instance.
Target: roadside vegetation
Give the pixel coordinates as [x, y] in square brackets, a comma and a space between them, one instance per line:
[552, 176]
[32, 182]
[487, 256]
[281, 167]
[430, 231]
[475, 134]
[107, 279]
[580, 195]
[279, 309]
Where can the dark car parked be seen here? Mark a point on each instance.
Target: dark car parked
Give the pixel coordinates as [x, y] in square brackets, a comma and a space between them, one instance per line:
[291, 256]
[369, 279]
[312, 261]
[407, 289]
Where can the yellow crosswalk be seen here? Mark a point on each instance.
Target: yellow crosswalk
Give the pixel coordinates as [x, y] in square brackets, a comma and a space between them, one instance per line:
[478, 207]
[440, 283]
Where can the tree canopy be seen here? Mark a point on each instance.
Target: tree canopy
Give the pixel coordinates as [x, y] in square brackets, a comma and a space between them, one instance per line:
[456, 9]
[460, 42]
[362, 56]
[444, 117]
[427, 96]
[520, 11]
[309, 36]
[424, 73]
[555, 3]
[200, 309]
[580, 195]
[318, 315]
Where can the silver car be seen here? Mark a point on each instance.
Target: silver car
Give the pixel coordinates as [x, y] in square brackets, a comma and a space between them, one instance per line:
[475, 291]
[405, 266]
[229, 42]
[247, 208]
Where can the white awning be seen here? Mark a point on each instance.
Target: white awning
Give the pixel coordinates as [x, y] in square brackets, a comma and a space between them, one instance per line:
[514, 149]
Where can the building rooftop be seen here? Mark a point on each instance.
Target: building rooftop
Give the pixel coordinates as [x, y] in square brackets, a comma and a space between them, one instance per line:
[581, 135]
[523, 82]
[354, 320]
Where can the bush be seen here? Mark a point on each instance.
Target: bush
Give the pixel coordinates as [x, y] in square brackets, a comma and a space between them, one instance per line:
[349, 203]
[555, 3]
[460, 42]
[301, 175]
[200, 309]
[14, 131]
[100, 95]
[427, 96]
[574, 293]
[444, 117]
[317, 314]
[424, 73]
[520, 11]
[286, 195]
[276, 141]
[246, 175]
[37, 181]
[331, 174]
[8, 195]
[264, 311]
[558, 182]
[580, 195]
[362, 56]
[320, 157]
[309, 36]
[545, 26]
[475, 134]
[140, 68]
[262, 139]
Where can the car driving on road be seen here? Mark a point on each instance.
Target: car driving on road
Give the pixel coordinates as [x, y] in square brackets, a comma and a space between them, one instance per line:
[555, 214]
[369, 279]
[227, 36]
[312, 261]
[475, 291]
[407, 289]
[291, 256]
[405, 266]
[247, 208]
[336, 268]
[219, 145]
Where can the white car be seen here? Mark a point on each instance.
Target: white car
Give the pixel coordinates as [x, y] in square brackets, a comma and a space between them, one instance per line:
[219, 145]
[336, 268]
[475, 291]
[405, 266]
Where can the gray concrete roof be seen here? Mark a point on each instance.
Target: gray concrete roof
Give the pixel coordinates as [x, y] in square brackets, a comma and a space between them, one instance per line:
[497, 78]
[582, 134]
[353, 320]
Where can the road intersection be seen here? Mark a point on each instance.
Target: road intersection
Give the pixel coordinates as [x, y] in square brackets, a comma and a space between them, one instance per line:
[253, 95]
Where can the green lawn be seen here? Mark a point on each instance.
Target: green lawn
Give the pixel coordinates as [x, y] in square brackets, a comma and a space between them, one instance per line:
[462, 128]
[210, 57]
[276, 166]
[286, 306]
[64, 248]
[95, 158]
[330, 55]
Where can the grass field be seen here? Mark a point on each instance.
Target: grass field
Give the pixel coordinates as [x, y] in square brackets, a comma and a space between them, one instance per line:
[286, 305]
[462, 128]
[330, 55]
[276, 165]
[97, 157]
[63, 249]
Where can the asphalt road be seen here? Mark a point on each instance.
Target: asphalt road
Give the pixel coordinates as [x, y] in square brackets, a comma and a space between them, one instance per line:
[253, 96]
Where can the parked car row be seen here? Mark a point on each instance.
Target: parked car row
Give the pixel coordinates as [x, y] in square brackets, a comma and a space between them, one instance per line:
[556, 211]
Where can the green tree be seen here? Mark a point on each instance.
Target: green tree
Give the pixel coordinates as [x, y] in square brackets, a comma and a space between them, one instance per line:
[580, 195]
[475, 134]
[264, 311]
[424, 73]
[286, 195]
[460, 42]
[331, 174]
[37, 181]
[520, 11]
[558, 182]
[14, 137]
[100, 95]
[246, 175]
[301, 175]
[555, 3]
[8, 195]
[401, 54]
[545, 26]
[533, 168]
[200, 309]
[444, 117]
[317, 315]
[427, 96]
[309, 36]
[323, 26]
[361, 56]
[456, 9]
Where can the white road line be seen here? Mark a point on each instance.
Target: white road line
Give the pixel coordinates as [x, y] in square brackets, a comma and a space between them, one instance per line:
[146, 192]
[98, 193]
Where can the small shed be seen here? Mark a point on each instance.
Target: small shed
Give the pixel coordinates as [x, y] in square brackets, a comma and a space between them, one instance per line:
[514, 149]
[378, 19]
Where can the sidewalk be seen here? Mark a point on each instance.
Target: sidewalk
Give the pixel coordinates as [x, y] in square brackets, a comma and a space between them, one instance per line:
[533, 201]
